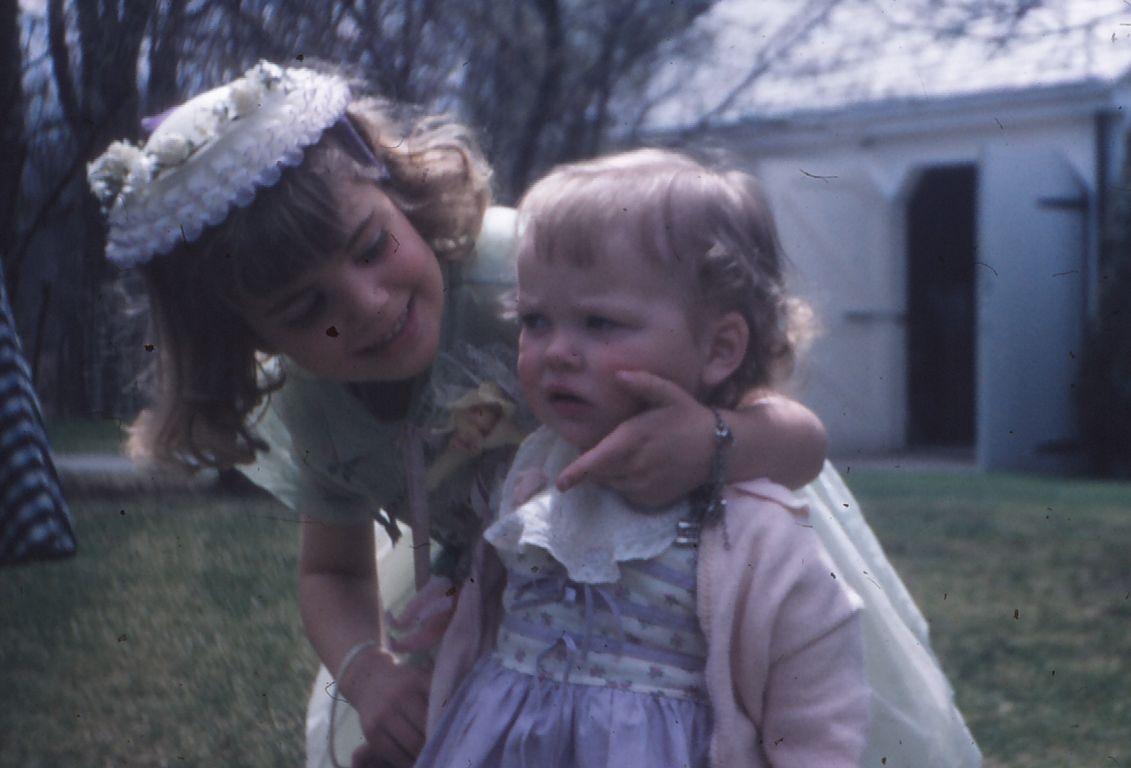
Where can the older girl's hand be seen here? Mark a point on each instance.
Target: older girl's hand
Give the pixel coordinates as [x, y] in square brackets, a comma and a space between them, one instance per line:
[657, 456]
[391, 700]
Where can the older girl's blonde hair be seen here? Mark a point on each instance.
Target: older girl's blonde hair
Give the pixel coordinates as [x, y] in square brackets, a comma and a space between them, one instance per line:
[711, 230]
[208, 376]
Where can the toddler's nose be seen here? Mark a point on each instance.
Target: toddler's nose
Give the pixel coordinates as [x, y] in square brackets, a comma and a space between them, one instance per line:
[562, 352]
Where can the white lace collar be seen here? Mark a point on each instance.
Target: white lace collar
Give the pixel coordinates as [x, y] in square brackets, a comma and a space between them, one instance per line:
[588, 529]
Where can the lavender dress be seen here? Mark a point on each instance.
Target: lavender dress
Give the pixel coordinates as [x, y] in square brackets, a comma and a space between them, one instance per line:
[585, 675]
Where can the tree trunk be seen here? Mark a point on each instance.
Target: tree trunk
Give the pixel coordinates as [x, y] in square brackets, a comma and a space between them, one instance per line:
[548, 89]
[104, 106]
[13, 147]
[162, 92]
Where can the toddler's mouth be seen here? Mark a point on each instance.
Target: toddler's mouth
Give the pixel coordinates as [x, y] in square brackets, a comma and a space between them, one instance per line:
[568, 405]
[565, 397]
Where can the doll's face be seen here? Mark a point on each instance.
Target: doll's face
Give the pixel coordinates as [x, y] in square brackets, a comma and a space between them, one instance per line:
[477, 420]
[372, 312]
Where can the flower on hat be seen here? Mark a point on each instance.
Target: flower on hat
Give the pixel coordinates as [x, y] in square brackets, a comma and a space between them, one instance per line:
[169, 149]
[121, 166]
[244, 96]
[266, 73]
[209, 155]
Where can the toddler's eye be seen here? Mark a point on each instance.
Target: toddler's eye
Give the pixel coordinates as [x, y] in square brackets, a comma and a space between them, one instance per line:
[600, 323]
[533, 321]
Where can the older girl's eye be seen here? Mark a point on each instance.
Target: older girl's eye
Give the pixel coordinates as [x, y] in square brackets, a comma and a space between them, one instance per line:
[304, 312]
[375, 251]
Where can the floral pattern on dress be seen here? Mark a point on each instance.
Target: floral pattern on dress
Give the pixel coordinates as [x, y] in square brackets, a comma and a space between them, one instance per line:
[656, 615]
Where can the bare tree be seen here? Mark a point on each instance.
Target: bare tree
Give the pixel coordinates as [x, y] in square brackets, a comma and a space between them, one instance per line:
[544, 76]
[809, 16]
[167, 27]
[98, 96]
[544, 81]
[13, 146]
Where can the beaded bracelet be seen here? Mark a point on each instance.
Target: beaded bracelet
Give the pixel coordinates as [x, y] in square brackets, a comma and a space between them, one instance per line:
[710, 495]
[724, 439]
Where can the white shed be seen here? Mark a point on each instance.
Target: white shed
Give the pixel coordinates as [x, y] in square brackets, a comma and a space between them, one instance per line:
[939, 193]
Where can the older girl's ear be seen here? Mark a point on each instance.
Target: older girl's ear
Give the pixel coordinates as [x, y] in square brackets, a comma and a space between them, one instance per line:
[724, 346]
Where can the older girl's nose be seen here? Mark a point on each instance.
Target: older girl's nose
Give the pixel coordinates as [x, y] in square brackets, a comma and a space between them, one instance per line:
[364, 307]
[366, 302]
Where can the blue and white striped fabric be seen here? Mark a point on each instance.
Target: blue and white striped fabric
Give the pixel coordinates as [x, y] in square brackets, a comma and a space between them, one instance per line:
[34, 520]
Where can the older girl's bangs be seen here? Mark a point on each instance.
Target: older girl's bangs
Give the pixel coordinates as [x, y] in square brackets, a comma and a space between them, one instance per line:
[287, 229]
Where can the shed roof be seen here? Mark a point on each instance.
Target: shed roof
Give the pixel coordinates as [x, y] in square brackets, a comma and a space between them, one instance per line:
[827, 56]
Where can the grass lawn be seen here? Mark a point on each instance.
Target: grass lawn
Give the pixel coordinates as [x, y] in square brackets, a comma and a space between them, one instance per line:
[85, 435]
[174, 639]
[1027, 585]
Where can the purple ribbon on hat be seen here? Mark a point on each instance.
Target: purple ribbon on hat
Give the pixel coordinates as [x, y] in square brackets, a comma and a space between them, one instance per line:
[357, 147]
[152, 122]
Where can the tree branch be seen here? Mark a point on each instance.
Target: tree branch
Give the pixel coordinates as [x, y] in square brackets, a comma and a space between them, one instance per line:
[794, 30]
[61, 64]
[548, 88]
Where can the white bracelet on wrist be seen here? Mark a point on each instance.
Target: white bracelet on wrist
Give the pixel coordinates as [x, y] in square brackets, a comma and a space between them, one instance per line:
[343, 668]
[351, 657]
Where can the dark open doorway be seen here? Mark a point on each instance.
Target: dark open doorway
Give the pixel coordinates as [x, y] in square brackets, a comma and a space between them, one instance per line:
[941, 307]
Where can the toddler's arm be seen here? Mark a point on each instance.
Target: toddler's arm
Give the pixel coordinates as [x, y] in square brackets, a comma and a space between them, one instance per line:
[817, 704]
[665, 452]
[814, 704]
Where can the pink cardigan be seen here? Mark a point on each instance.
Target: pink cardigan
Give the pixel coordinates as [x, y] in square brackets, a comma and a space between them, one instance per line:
[785, 664]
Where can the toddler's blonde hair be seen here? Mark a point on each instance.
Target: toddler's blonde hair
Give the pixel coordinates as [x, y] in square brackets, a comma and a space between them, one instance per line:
[710, 230]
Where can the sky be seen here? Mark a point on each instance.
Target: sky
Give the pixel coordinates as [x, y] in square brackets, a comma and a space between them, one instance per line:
[871, 51]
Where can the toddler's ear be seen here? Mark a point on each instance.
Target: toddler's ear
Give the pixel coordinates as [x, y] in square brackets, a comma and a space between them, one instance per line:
[725, 347]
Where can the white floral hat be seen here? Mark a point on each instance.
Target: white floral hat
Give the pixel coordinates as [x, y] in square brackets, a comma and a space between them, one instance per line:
[210, 154]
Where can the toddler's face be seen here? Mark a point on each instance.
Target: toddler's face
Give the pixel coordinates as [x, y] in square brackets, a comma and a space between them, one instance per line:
[582, 324]
[369, 313]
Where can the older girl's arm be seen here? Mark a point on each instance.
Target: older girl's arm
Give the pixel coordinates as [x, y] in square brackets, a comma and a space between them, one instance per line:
[340, 608]
[665, 451]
